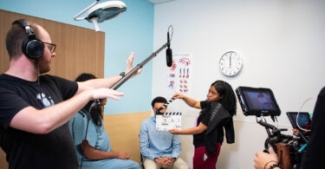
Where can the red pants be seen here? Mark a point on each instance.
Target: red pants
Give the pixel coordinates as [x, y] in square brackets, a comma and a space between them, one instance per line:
[209, 162]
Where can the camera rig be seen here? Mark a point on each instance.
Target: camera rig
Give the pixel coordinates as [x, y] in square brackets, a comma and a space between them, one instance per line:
[290, 149]
[260, 102]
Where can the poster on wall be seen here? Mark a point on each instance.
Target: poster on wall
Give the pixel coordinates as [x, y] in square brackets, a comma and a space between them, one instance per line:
[179, 74]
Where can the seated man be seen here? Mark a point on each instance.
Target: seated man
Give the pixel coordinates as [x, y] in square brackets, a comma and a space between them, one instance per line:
[159, 149]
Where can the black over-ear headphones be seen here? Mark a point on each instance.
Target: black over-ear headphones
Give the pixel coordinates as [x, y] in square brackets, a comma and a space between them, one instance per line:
[31, 47]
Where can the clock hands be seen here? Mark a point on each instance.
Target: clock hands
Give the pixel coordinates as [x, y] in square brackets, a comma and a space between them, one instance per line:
[230, 61]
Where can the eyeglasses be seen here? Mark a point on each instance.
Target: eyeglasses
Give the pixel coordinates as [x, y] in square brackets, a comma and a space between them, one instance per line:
[51, 46]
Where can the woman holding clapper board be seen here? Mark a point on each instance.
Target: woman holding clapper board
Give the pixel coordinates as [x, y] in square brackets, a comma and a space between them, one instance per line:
[216, 115]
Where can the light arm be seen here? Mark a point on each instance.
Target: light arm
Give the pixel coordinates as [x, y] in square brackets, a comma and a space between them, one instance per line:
[194, 130]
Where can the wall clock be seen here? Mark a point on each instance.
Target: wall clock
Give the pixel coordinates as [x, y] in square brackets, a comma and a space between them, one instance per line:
[230, 63]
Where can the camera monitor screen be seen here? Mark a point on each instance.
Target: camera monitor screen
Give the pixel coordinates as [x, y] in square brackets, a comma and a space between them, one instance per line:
[257, 101]
[303, 120]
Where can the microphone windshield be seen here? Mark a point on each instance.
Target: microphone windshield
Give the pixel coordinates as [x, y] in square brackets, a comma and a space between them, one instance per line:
[169, 57]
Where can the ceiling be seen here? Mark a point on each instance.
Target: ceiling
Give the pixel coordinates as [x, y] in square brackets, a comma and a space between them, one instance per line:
[159, 1]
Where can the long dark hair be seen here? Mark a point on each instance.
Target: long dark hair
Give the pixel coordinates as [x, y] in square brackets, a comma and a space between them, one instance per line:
[96, 112]
[228, 98]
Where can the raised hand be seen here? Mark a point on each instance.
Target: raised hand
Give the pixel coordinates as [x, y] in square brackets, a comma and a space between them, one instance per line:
[129, 64]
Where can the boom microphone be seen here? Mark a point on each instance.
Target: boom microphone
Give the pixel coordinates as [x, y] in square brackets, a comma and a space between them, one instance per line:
[140, 65]
[169, 53]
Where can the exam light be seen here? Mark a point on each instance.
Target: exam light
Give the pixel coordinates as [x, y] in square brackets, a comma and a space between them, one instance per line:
[100, 12]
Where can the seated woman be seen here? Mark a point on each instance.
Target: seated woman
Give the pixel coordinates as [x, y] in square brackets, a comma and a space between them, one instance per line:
[91, 139]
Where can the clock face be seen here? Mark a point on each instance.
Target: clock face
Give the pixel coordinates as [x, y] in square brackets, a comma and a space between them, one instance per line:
[230, 63]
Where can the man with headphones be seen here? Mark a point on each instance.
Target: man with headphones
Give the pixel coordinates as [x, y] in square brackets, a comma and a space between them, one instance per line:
[35, 108]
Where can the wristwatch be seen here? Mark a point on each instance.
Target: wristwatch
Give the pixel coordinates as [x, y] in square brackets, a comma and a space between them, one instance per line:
[122, 74]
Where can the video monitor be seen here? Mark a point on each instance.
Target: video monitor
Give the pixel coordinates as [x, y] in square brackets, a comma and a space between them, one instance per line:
[257, 101]
[303, 120]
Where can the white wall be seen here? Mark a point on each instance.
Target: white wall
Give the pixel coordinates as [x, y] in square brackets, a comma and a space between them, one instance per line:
[282, 45]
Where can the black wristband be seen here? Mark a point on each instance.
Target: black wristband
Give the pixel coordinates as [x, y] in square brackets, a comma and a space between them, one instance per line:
[275, 165]
[272, 161]
[122, 74]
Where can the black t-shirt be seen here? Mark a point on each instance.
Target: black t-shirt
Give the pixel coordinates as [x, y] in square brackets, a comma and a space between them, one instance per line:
[37, 151]
[204, 117]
